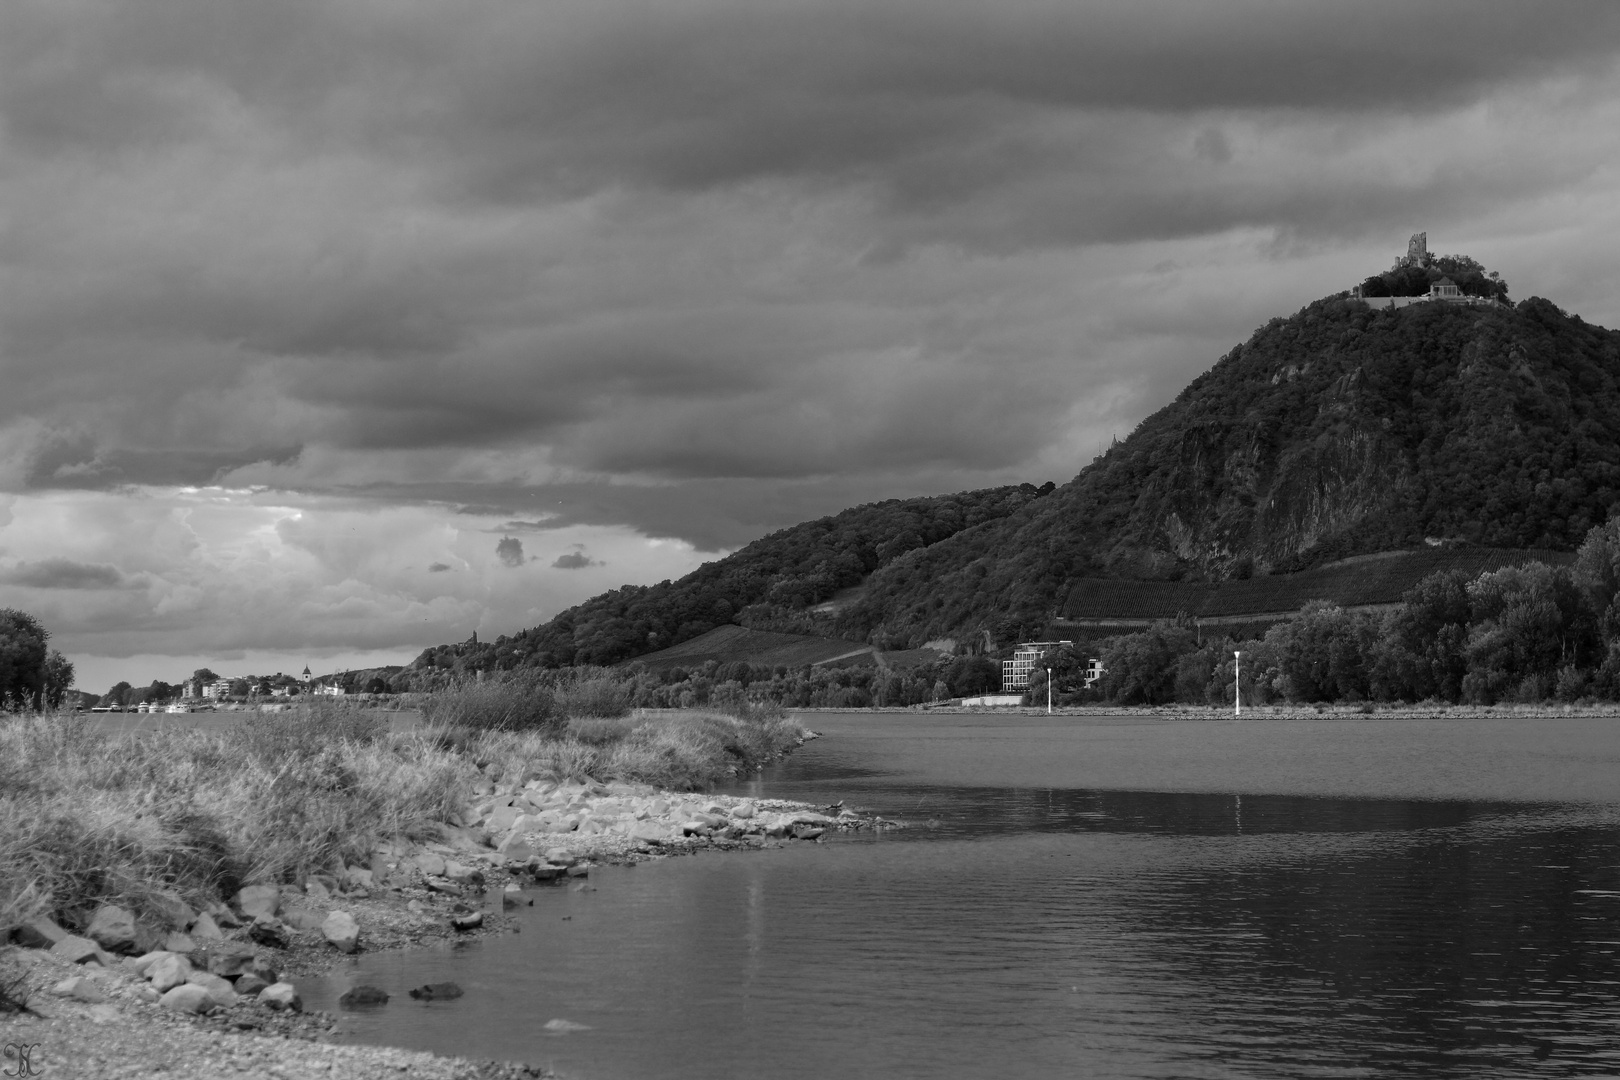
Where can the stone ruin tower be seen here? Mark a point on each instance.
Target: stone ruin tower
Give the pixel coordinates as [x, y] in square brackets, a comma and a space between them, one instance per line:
[1417, 251]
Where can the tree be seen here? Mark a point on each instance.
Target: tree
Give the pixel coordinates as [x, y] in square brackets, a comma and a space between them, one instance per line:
[118, 696]
[58, 679]
[23, 658]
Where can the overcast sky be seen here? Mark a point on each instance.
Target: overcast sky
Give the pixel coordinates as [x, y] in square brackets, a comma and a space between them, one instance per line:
[334, 329]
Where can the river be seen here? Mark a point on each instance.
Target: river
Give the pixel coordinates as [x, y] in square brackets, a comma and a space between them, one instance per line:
[1088, 897]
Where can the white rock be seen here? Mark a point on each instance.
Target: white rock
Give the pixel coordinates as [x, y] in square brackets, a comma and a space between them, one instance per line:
[279, 996]
[220, 990]
[140, 965]
[79, 988]
[171, 971]
[341, 931]
[188, 997]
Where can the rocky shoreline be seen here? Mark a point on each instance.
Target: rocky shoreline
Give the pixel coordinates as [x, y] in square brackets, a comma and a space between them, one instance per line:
[208, 995]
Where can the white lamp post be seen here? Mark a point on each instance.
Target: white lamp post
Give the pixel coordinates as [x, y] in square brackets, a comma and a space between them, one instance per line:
[1237, 687]
[1048, 691]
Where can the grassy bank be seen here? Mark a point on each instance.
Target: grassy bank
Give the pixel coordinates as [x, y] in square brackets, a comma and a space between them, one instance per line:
[87, 817]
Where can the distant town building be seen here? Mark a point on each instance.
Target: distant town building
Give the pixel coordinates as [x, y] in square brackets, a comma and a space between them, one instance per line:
[1030, 656]
[330, 690]
[1015, 673]
[217, 690]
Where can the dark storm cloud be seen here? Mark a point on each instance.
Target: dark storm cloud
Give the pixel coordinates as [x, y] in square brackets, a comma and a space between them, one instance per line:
[574, 560]
[759, 251]
[63, 574]
[510, 551]
[438, 568]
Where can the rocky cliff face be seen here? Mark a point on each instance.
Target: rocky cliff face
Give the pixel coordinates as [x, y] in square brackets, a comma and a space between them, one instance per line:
[1337, 432]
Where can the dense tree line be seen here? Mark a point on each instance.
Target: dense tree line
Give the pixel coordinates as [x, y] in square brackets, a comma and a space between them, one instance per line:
[773, 583]
[1526, 633]
[1470, 277]
[32, 675]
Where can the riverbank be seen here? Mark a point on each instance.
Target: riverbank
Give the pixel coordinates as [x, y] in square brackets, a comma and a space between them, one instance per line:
[118, 849]
[1440, 711]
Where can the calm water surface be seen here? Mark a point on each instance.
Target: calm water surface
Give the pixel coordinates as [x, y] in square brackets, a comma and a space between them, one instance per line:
[1093, 898]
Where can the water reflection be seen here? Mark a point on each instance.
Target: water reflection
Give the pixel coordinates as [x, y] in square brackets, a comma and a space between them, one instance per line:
[1034, 932]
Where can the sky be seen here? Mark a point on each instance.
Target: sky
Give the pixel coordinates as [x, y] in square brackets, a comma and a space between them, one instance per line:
[335, 329]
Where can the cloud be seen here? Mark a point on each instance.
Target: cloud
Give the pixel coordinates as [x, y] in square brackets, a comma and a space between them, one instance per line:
[697, 271]
[63, 574]
[510, 551]
[574, 560]
[438, 568]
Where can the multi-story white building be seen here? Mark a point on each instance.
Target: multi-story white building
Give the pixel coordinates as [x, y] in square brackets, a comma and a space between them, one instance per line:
[1016, 673]
[1026, 658]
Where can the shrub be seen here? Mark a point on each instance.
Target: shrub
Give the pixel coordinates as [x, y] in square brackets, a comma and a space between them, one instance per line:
[514, 702]
[594, 695]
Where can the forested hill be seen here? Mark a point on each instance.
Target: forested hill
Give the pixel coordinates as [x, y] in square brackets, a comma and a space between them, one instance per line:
[775, 583]
[1339, 431]
[1342, 430]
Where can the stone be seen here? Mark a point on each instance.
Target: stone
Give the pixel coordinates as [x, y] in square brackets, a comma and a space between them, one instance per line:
[695, 828]
[444, 991]
[658, 808]
[80, 988]
[231, 960]
[439, 885]
[302, 918]
[807, 832]
[743, 810]
[463, 923]
[359, 877]
[808, 818]
[261, 967]
[341, 932]
[113, 928]
[188, 998]
[363, 995]
[258, 901]
[579, 870]
[516, 849]
[205, 929]
[41, 933]
[268, 931]
[501, 818]
[529, 823]
[462, 874]
[223, 994]
[78, 950]
[548, 873]
[178, 942]
[316, 890]
[222, 915]
[170, 907]
[147, 996]
[140, 965]
[430, 865]
[281, 996]
[249, 985]
[169, 972]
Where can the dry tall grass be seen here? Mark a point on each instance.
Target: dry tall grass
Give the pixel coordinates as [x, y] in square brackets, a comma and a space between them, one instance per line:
[87, 817]
[684, 750]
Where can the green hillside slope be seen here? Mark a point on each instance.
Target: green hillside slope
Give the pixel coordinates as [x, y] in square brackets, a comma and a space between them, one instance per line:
[1337, 432]
[782, 582]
